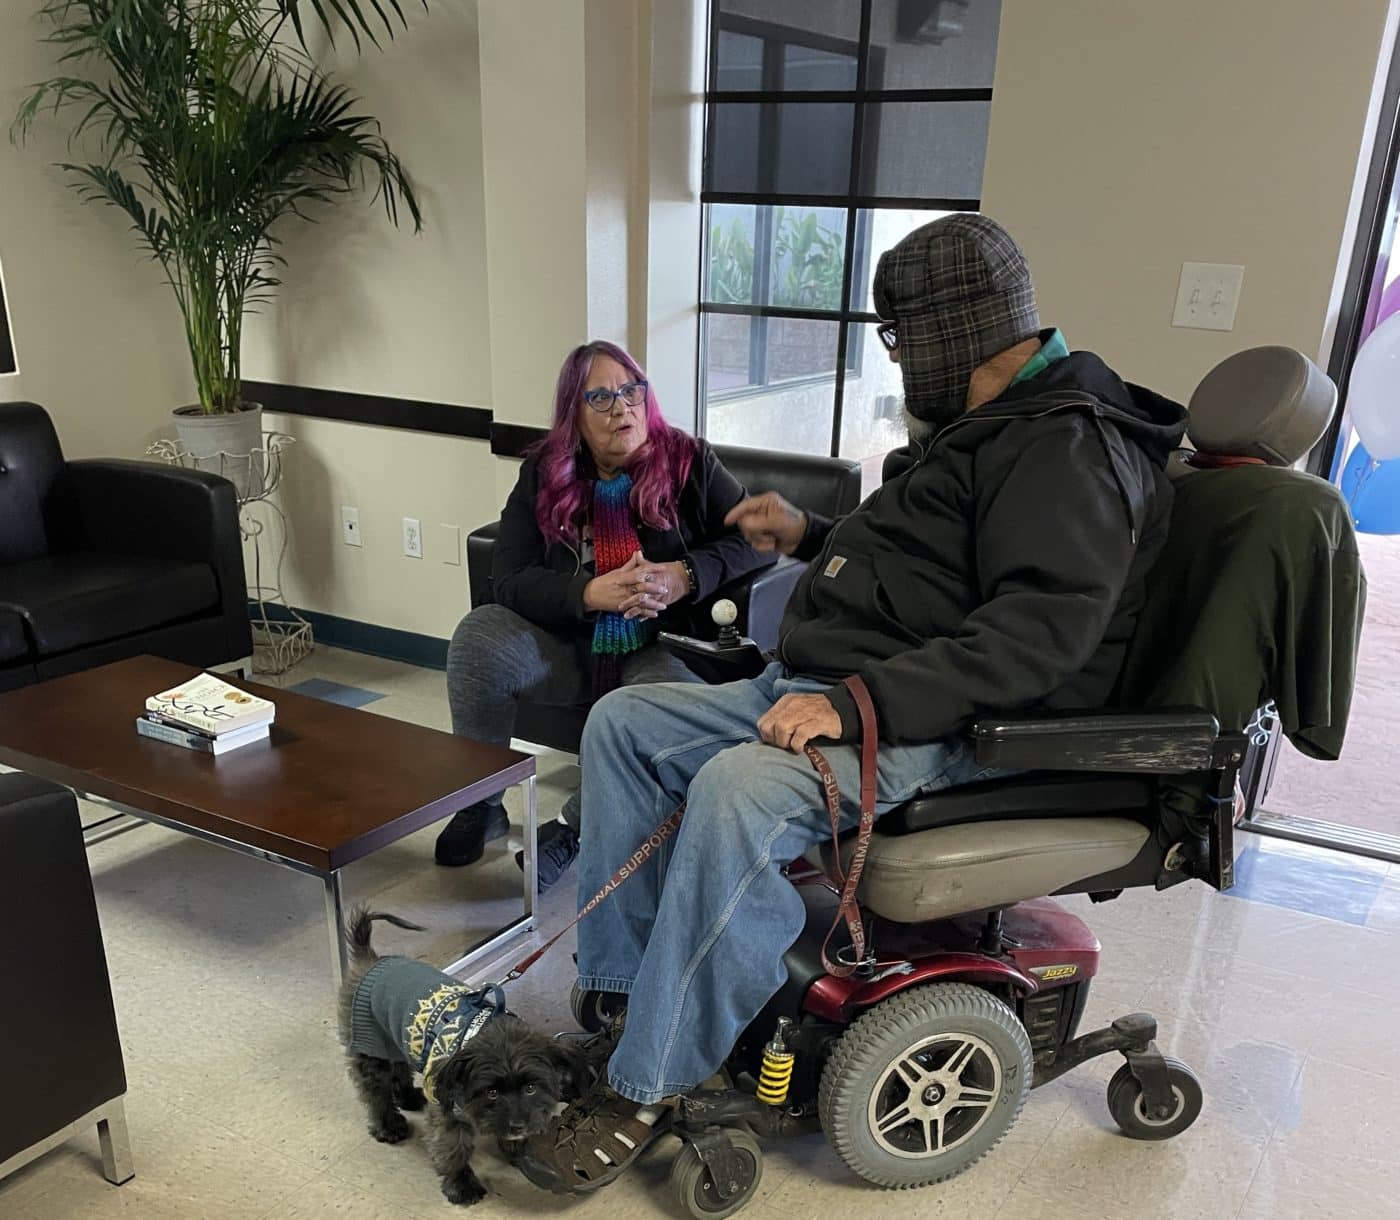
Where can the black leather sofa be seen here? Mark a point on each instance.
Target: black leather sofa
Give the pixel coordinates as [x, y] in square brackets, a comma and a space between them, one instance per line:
[830, 486]
[62, 1069]
[106, 559]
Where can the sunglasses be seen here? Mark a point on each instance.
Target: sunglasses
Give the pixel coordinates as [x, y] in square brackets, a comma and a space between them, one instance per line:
[889, 335]
[634, 393]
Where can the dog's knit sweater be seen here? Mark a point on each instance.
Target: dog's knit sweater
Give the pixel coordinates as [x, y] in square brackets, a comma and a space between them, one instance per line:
[410, 1012]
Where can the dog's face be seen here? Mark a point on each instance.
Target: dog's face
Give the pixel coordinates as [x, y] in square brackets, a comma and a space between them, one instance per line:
[507, 1080]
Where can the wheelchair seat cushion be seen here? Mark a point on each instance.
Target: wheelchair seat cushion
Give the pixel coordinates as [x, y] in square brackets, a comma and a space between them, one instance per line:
[975, 866]
[1024, 796]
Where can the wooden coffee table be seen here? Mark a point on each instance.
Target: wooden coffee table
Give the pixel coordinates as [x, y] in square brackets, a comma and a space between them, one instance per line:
[331, 785]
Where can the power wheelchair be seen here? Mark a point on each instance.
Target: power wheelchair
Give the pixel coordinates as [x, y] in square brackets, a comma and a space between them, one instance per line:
[975, 979]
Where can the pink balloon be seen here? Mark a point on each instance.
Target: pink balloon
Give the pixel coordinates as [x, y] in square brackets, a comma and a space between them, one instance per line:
[1390, 301]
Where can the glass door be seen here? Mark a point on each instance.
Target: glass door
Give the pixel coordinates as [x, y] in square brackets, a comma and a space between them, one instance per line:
[1354, 803]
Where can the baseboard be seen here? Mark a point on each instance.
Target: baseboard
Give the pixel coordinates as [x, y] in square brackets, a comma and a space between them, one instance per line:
[370, 638]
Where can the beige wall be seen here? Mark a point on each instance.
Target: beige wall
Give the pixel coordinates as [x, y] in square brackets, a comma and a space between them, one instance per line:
[96, 329]
[1129, 138]
[369, 307]
[388, 474]
[378, 310]
[523, 123]
[675, 142]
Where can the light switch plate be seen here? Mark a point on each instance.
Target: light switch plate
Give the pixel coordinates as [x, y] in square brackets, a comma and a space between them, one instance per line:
[450, 538]
[1208, 296]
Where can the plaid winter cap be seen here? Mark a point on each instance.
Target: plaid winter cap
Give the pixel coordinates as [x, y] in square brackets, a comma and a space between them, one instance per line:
[961, 292]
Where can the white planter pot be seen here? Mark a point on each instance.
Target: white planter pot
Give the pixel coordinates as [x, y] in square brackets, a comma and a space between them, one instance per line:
[229, 445]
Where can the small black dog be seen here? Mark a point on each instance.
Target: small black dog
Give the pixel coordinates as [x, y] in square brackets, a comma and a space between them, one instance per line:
[482, 1069]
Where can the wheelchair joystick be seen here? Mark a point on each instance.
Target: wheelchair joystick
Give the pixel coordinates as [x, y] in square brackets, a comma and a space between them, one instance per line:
[724, 614]
[730, 658]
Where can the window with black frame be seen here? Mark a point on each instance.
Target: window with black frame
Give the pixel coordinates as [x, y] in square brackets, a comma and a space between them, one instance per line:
[833, 128]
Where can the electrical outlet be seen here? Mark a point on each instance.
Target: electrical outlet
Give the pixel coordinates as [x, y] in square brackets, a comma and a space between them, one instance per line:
[349, 525]
[412, 538]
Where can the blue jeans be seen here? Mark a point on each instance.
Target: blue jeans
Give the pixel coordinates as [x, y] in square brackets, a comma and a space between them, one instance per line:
[696, 937]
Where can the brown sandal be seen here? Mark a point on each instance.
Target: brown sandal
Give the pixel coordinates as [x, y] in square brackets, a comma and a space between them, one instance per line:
[591, 1144]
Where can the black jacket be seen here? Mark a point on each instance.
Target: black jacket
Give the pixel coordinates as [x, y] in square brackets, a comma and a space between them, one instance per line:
[1002, 563]
[544, 582]
[1259, 596]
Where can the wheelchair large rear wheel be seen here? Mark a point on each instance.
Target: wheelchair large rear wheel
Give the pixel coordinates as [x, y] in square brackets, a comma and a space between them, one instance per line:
[925, 1084]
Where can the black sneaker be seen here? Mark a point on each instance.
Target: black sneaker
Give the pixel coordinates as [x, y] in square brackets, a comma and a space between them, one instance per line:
[466, 835]
[555, 849]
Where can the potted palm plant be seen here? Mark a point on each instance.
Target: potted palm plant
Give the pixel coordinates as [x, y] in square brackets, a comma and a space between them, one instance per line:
[211, 124]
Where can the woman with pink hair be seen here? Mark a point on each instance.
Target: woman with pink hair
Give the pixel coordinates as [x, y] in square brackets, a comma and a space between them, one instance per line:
[614, 528]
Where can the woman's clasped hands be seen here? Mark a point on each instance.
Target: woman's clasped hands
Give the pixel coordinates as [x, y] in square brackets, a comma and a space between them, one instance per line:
[637, 589]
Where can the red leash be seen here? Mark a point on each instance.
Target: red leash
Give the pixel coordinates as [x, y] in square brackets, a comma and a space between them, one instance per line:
[645, 850]
[848, 910]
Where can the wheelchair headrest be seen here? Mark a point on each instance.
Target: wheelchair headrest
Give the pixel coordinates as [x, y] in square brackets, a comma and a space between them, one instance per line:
[1271, 403]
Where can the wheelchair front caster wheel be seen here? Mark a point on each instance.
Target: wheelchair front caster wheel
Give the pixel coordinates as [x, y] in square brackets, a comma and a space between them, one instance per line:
[1125, 1103]
[696, 1188]
[594, 1010]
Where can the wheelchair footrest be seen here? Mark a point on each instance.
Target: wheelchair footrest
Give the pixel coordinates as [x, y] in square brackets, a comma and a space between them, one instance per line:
[719, 1107]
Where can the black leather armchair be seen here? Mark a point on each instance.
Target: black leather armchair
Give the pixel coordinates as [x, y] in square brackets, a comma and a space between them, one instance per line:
[829, 486]
[56, 987]
[106, 559]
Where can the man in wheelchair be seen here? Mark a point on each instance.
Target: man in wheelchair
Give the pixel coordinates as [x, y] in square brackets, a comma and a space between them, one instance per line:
[1002, 566]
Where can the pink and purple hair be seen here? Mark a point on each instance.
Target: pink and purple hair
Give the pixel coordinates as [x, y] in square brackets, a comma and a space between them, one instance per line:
[659, 468]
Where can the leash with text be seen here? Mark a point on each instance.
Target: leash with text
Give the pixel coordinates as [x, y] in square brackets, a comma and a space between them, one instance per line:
[847, 878]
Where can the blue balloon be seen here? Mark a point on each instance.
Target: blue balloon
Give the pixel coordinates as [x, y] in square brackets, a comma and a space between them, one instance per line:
[1372, 489]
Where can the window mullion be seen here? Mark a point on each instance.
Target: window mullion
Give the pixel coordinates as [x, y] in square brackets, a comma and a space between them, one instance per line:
[847, 267]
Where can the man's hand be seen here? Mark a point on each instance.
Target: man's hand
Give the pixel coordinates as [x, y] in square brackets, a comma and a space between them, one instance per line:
[769, 522]
[797, 719]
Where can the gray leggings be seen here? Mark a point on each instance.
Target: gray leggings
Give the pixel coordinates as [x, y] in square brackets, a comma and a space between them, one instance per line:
[496, 657]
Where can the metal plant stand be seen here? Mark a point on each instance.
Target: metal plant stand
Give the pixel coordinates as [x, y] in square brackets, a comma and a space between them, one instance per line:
[280, 638]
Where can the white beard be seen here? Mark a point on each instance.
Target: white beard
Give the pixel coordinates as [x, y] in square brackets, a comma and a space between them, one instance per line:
[917, 428]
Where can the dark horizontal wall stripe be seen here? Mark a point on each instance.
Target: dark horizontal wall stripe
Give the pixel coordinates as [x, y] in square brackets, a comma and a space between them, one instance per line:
[906, 202]
[784, 96]
[441, 417]
[511, 440]
[347, 633]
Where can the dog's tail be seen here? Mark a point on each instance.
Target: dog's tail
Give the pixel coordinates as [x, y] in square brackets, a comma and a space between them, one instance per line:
[361, 926]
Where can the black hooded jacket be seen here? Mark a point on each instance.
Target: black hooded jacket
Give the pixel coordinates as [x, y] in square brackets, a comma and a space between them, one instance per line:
[1001, 565]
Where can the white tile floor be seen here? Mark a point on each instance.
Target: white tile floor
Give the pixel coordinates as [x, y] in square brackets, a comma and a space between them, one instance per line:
[239, 1107]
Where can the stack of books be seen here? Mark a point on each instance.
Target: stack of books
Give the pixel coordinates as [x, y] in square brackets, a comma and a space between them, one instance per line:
[208, 714]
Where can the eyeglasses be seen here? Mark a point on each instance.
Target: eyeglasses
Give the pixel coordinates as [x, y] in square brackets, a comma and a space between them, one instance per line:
[634, 393]
[889, 335]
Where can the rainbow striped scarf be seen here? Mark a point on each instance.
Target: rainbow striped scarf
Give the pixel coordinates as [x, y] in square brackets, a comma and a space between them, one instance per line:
[615, 541]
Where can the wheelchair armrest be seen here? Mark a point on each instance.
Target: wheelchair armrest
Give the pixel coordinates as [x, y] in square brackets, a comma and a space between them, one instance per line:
[1168, 742]
[715, 662]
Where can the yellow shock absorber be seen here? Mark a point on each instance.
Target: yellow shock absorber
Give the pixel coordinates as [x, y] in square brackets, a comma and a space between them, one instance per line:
[775, 1077]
